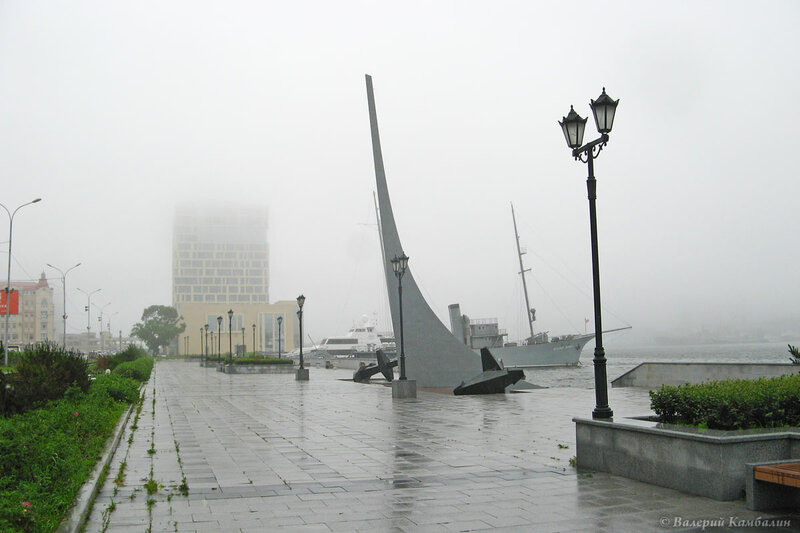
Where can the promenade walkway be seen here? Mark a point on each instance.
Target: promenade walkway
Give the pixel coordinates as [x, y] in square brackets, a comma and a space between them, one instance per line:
[262, 453]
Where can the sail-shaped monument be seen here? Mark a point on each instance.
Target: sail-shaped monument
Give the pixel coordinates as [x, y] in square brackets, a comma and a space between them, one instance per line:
[434, 357]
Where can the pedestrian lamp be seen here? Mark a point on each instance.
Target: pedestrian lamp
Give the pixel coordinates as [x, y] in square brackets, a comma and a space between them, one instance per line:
[399, 265]
[205, 352]
[573, 126]
[300, 301]
[254, 339]
[230, 336]
[244, 344]
[219, 339]
[280, 322]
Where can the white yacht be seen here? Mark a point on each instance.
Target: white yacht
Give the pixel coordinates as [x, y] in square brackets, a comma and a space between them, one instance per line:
[361, 342]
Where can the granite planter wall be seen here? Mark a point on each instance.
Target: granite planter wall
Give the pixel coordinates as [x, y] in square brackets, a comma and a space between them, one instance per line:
[709, 463]
[256, 369]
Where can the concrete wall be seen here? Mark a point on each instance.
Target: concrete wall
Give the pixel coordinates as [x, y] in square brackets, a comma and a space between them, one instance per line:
[704, 462]
[653, 375]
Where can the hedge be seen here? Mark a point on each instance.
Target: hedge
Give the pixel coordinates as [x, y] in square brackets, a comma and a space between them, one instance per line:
[262, 361]
[47, 453]
[138, 369]
[731, 404]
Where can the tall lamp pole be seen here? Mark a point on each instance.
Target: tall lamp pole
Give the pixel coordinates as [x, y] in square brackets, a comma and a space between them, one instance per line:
[244, 343]
[88, 314]
[254, 338]
[230, 336]
[8, 285]
[573, 126]
[100, 328]
[302, 372]
[64, 294]
[219, 339]
[280, 323]
[399, 265]
[205, 350]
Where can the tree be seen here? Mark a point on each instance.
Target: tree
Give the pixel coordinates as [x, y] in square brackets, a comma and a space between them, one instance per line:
[160, 325]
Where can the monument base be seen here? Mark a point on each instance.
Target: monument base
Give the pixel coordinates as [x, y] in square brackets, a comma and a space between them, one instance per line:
[302, 374]
[405, 388]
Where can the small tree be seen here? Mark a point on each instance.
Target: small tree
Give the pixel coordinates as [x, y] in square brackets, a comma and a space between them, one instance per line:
[160, 325]
[794, 354]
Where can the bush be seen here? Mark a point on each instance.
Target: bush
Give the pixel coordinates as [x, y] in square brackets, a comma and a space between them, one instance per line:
[43, 374]
[116, 387]
[110, 362]
[47, 453]
[138, 369]
[731, 404]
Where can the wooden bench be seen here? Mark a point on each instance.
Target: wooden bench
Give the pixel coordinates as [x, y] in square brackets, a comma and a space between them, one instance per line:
[773, 485]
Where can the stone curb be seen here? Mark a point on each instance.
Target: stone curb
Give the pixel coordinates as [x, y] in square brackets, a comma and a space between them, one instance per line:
[79, 512]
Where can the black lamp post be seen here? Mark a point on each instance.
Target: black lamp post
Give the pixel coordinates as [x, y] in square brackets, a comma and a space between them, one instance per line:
[201, 342]
[205, 352]
[399, 265]
[254, 338]
[219, 339]
[280, 322]
[573, 126]
[300, 301]
[230, 336]
[244, 344]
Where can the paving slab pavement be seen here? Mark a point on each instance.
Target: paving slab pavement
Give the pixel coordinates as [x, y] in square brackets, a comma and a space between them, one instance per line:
[263, 452]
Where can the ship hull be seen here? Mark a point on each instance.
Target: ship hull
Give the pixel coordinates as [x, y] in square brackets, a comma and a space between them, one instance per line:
[565, 352]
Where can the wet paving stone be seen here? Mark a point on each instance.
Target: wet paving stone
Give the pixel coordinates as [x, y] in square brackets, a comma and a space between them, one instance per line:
[264, 452]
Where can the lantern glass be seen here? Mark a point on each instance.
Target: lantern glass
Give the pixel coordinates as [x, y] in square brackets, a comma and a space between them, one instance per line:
[573, 127]
[230, 314]
[604, 109]
[280, 319]
[395, 264]
[300, 301]
[403, 259]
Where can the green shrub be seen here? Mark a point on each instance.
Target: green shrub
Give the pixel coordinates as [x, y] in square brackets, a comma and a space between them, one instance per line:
[138, 369]
[46, 455]
[43, 374]
[116, 387]
[130, 353]
[731, 404]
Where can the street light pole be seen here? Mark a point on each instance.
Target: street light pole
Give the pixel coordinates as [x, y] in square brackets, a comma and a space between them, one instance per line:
[302, 372]
[254, 338]
[280, 322]
[64, 294]
[230, 336]
[100, 329]
[604, 110]
[244, 344]
[8, 284]
[219, 339]
[399, 265]
[88, 314]
[205, 351]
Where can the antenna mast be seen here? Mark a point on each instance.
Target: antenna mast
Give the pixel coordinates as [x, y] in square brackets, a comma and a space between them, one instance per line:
[522, 271]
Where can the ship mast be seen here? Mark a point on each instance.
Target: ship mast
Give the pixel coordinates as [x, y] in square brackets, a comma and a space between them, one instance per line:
[522, 271]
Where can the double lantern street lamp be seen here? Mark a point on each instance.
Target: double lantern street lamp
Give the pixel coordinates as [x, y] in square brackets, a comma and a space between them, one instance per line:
[573, 126]
[399, 265]
[8, 285]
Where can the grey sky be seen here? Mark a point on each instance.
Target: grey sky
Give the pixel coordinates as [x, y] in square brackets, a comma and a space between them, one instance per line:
[113, 112]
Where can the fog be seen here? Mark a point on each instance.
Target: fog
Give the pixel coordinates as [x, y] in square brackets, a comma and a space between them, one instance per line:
[114, 112]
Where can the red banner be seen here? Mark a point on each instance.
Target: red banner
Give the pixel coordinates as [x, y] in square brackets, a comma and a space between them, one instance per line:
[14, 302]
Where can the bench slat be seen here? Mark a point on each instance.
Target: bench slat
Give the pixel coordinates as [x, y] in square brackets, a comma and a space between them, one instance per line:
[787, 474]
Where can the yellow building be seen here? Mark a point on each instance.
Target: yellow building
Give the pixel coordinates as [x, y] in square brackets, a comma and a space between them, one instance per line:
[260, 323]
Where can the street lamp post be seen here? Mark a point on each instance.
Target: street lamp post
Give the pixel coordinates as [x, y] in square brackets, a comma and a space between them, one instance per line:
[399, 265]
[88, 314]
[212, 347]
[100, 328]
[64, 294]
[219, 339]
[205, 350]
[244, 344]
[8, 284]
[280, 322]
[302, 372]
[230, 336]
[573, 126]
[254, 338]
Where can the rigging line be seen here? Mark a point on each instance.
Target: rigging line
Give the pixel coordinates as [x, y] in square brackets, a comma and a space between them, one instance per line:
[572, 325]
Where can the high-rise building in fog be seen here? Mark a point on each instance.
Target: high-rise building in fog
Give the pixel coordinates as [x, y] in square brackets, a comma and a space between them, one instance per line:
[220, 255]
[220, 264]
